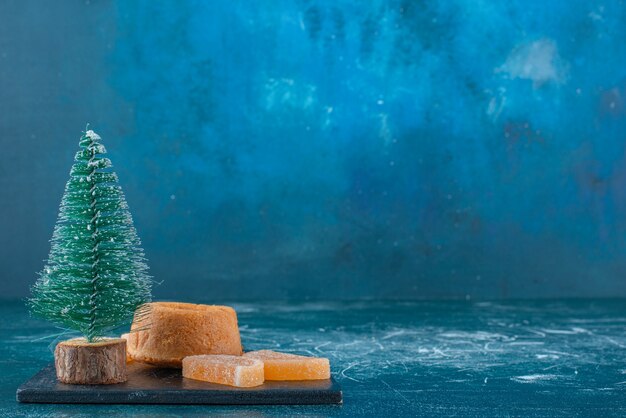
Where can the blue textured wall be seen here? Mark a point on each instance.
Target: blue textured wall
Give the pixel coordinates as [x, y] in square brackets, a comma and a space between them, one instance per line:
[329, 149]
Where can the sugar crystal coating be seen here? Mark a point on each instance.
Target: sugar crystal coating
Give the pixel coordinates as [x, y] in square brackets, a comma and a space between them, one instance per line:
[224, 369]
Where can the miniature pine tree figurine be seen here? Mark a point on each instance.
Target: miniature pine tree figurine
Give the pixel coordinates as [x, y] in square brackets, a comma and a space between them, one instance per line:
[96, 274]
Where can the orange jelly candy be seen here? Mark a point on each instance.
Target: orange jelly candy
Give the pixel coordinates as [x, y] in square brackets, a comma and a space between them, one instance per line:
[283, 366]
[237, 371]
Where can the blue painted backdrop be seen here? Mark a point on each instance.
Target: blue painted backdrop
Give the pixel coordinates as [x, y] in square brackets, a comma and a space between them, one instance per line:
[329, 149]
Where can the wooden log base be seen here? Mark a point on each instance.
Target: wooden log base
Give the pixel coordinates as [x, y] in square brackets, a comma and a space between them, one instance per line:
[99, 363]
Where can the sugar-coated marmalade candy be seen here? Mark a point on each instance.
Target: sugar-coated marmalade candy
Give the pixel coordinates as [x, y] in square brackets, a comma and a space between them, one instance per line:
[284, 366]
[237, 371]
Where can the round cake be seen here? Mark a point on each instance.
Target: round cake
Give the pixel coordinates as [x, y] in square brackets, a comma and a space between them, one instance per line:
[166, 332]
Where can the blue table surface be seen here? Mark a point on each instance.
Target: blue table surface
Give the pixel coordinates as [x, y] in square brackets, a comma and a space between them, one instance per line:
[543, 358]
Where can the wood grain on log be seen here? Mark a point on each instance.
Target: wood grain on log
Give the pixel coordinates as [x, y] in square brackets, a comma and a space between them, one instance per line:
[99, 363]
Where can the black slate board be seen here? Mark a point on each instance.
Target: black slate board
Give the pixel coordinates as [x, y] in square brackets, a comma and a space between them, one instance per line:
[151, 385]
